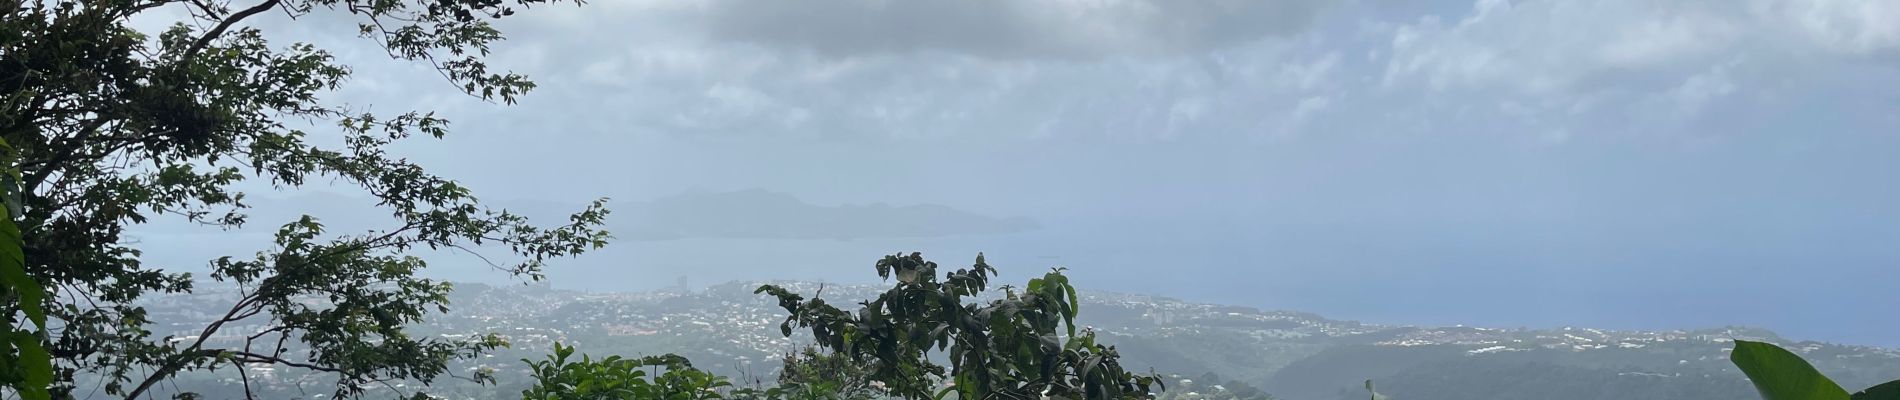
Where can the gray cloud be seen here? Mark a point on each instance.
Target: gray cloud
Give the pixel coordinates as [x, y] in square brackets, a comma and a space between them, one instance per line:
[1657, 139]
[1551, 47]
[1009, 29]
[1558, 69]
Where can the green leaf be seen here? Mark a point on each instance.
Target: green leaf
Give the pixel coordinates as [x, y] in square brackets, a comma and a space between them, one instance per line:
[37, 365]
[1075, 306]
[1781, 375]
[1884, 391]
[13, 273]
[1089, 366]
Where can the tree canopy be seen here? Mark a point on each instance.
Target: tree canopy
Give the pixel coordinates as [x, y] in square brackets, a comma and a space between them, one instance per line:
[110, 128]
[1023, 345]
[1020, 346]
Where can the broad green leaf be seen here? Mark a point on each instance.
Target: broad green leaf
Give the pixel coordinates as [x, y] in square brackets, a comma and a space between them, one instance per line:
[13, 273]
[34, 364]
[10, 183]
[1884, 391]
[1075, 307]
[1782, 375]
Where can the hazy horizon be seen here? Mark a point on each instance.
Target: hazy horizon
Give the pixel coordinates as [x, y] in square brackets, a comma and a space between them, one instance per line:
[1613, 163]
[1338, 272]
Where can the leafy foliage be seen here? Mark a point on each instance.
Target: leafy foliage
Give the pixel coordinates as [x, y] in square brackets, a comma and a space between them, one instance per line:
[620, 378]
[1024, 345]
[25, 365]
[1781, 375]
[112, 128]
[813, 373]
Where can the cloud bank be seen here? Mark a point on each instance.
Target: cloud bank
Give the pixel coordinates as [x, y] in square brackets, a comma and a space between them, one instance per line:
[1056, 29]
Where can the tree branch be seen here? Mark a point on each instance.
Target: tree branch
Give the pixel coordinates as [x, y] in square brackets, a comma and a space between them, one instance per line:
[33, 179]
[177, 361]
[246, 376]
[239, 312]
[257, 357]
[171, 366]
[205, 41]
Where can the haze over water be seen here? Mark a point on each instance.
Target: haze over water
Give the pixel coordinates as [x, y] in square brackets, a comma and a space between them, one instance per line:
[1602, 163]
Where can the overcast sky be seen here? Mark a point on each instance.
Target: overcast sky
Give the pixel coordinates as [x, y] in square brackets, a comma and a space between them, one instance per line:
[1070, 105]
[1669, 153]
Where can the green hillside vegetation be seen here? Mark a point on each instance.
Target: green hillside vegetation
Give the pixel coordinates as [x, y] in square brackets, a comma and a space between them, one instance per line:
[1495, 378]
